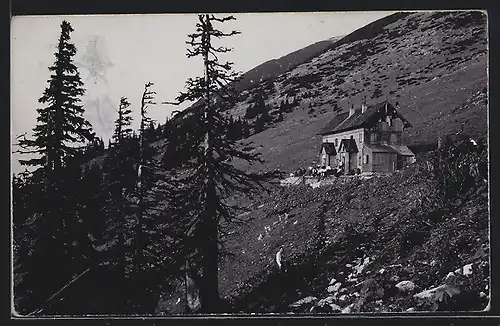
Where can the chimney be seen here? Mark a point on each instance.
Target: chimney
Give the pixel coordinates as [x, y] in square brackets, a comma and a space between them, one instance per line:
[351, 110]
[363, 105]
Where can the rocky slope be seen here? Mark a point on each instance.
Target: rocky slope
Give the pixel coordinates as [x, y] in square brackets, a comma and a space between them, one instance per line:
[375, 243]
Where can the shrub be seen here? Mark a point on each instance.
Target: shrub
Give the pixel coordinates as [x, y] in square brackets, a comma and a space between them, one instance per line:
[459, 166]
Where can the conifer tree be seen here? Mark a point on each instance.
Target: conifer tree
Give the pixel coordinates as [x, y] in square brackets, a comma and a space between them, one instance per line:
[117, 185]
[123, 122]
[203, 209]
[60, 131]
[61, 123]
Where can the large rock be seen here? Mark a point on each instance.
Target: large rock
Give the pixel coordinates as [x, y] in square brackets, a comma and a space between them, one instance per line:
[370, 289]
[335, 307]
[327, 300]
[343, 299]
[334, 288]
[348, 309]
[303, 301]
[406, 286]
[328, 305]
[467, 269]
[437, 292]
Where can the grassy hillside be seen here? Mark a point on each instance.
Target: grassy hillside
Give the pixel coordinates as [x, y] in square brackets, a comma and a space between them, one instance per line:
[275, 67]
[433, 64]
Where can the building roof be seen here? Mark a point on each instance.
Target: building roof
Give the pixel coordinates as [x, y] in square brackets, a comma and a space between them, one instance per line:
[329, 148]
[335, 122]
[342, 122]
[379, 148]
[402, 150]
[349, 145]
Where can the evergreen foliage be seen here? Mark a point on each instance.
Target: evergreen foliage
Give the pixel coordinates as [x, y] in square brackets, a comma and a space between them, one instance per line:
[203, 210]
[61, 123]
[123, 121]
[55, 248]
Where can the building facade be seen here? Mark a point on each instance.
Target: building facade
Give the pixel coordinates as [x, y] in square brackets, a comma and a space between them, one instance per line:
[369, 139]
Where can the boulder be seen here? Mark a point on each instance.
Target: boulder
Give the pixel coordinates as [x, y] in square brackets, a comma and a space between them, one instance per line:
[406, 286]
[438, 292]
[361, 265]
[334, 288]
[335, 308]
[303, 301]
[467, 269]
[325, 301]
[371, 289]
[332, 281]
[343, 299]
[347, 310]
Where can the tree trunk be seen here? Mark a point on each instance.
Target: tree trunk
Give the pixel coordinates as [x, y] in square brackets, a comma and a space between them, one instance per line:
[210, 288]
[192, 289]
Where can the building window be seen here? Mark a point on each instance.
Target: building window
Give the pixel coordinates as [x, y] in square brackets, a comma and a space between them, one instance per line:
[352, 136]
[360, 138]
[336, 142]
[367, 159]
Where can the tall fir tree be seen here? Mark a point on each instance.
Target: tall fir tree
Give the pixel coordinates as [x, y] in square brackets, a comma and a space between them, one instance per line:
[123, 122]
[57, 138]
[147, 99]
[61, 123]
[204, 209]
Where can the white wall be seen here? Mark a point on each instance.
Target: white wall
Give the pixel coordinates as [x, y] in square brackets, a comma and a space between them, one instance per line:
[357, 134]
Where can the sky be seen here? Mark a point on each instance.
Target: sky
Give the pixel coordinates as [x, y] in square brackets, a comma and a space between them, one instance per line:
[118, 54]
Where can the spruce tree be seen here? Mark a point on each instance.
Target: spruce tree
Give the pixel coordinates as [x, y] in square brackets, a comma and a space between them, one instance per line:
[60, 131]
[213, 177]
[61, 123]
[146, 100]
[123, 122]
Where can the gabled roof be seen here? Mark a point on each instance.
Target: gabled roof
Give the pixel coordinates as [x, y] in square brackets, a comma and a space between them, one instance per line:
[335, 122]
[349, 145]
[402, 150]
[329, 149]
[379, 148]
[358, 119]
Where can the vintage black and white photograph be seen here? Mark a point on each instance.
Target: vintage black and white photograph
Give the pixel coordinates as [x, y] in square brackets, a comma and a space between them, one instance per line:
[306, 163]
